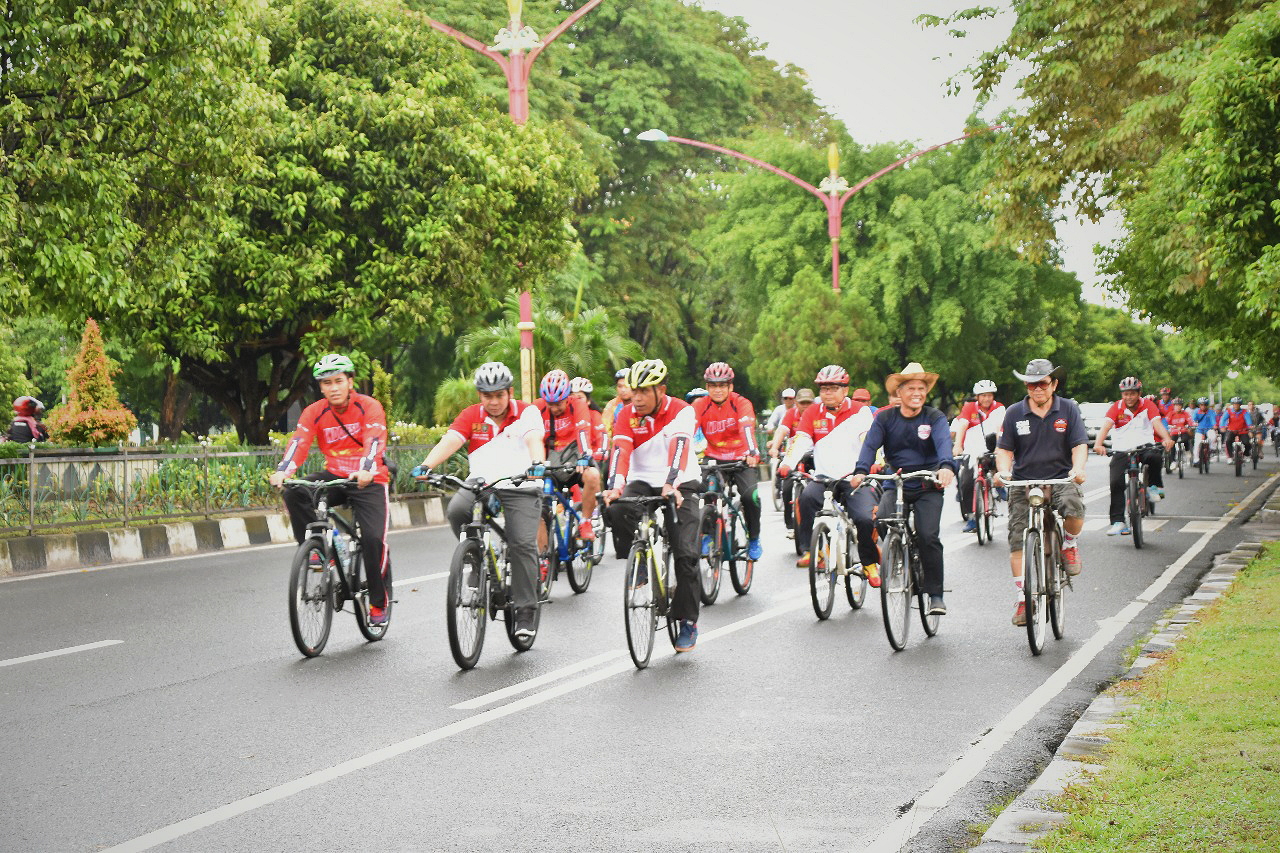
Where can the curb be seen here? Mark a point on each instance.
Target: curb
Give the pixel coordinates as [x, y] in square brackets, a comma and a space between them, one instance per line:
[32, 555]
[1030, 816]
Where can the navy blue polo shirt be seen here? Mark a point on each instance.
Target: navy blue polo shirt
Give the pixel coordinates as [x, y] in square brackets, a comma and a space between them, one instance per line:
[910, 444]
[1042, 446]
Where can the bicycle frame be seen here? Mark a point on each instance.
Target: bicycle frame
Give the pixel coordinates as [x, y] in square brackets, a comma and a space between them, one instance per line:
[723, 494]
[328, 519]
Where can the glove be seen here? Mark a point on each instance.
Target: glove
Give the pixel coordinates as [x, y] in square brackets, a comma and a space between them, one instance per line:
[419, 472]
[538, 470]
[784, 471]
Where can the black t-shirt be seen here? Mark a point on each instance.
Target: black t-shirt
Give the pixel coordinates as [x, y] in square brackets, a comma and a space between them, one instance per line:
[1042, 446]
[21, 431]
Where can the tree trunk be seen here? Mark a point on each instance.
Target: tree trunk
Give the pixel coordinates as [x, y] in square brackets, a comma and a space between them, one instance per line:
[174, 403]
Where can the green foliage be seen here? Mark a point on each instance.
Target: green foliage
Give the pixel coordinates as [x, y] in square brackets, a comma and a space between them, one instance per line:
[94, 414]
[452, 396]
[13, 379]
[382, 389]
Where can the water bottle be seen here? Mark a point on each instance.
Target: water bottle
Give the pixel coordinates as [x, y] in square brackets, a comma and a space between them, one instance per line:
[340, 548]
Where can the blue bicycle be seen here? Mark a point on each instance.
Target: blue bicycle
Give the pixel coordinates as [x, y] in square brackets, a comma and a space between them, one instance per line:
[724, 532]
[562, 517]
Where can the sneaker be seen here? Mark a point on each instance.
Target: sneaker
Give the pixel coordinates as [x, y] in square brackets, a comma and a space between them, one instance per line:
[791, 534]
[586, 532]
[1118, 528]
[706, 545]
[377, 615]
[1020, 614]
[1155, 493]
[937, 607]
[754, 551]
[524, 624]
[970, 526]
[1071, 559]
[688, 636]
[803, 562]
[315, 562]
[873, 575]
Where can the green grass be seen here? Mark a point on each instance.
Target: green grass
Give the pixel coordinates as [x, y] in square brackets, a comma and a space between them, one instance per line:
[1198, 766]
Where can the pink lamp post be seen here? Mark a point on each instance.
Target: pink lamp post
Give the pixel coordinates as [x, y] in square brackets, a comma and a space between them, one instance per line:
[833, 192]
[522, 46]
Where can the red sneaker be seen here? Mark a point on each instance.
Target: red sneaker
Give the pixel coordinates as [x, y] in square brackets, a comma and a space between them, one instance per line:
[1020, 614]
[1071, 559]
[377, 615]
[585, 533]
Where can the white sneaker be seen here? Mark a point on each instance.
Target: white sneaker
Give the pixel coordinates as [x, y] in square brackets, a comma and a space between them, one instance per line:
[1117, 528]
[1155, 493]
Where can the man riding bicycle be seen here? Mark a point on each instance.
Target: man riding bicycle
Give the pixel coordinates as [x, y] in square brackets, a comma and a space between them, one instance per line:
[1136, 422]
[915, 437]
[1047, 440]
[503, 437]
[1235, 424]
[834, 430]
[351, 431]
[566, 421]
[783, 437]
[979, 423]
[1206, 423]
[1180, 423]
[653, 454]
[728, 422]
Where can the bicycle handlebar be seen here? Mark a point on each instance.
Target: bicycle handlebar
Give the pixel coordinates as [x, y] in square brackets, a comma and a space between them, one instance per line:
[898, 476]
[1060, 481]
[475, 487]
[317, 485]
[1132, 450]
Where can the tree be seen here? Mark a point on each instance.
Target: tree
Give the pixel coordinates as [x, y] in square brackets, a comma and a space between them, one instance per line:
[13, 379]
[94, 415]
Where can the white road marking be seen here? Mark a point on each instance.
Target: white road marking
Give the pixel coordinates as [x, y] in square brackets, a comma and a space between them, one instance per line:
[435, 576]
[895, 836]
[58, 652]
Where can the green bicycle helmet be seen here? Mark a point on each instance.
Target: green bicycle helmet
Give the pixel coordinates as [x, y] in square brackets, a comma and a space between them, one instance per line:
[647, 373]
[332, 364]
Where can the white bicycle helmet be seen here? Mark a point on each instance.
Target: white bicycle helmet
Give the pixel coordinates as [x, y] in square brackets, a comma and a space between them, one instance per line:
[494, 376]
[984, 386]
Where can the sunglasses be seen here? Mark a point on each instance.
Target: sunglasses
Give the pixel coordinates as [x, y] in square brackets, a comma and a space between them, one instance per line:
[1043, 383]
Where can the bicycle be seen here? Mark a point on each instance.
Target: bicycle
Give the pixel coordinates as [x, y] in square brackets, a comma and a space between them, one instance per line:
[982, 508]
[480, 575]
[1237, 452]
[833, 552]
[1205, 450]
[724, 532]
[1044, 573]
[647, 593]
[901, 573]
[1177, 458]
[315, 593]
[1255, 448]
[1137, 497]
[1275, 440]
[561, 518]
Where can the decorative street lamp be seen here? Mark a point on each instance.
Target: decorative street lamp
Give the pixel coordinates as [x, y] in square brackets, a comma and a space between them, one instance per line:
[522, 47]
[834, 191]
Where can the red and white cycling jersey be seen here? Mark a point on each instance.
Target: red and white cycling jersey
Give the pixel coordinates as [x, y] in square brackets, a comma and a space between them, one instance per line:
[497, 449]
[729, 427]
[975, 425]
[572, 424]
[1132, 427]
[351, 440]
[656, 449]
[1180, 423]
[836, 437]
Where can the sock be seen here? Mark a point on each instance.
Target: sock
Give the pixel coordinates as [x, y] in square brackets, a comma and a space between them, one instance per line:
[1068, 541]
[1017, 584]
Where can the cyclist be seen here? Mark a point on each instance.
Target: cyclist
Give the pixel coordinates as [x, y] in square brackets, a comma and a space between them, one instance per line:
[582, 389]
[779, 412]
[622, 396]
[1165, 402]
[351, 431]
[914, 437]
[834, 430]
[1206, 422]
[652, 454]
[987, 415]
[566, 423]
[1257, 431]
[1048, 441]
[728, 422]
[785, 435]
[26, 426]
[1235, 423]
[863, 396]
[1136, 422]
[1180, 423]
[504, 438]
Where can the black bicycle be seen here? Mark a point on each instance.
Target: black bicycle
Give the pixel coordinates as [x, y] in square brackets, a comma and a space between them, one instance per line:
[328, 571]
[1044, 573]
[901, 573]
[1137, 503]
[724, 533]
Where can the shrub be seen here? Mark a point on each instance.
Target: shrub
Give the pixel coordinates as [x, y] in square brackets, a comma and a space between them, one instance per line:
[94, 415]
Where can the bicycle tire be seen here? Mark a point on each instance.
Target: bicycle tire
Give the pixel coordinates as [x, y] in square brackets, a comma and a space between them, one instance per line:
[550, 555]
[1033, 589]
[373, 633]
[776, 491]
[931, 622]
[895, 591]
[1254, 455]
[795, 516]
[580, 565]
[822, 579]
[601, 529]
[639, 610]
[989, 511]
[742, 569]
[668, 595]
[1237, 458]
[1134, 506]
[1056, 582]
[1182, 461]
[855, 583]
[466, 620]
[310, 600]
[709, 567]
[980, 508]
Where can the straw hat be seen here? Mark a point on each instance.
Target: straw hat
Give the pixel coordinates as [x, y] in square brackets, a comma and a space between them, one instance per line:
[914, 370]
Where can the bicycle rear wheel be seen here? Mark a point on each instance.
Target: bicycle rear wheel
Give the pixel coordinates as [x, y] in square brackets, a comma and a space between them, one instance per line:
[742, 568]
[822, 570]
[310, 604]
[1033, 593]
[709, 576]
[855, 583]
[372, 633]
[467, 603]
[1056, 582]
[895, 590]
[928, 620]
[1237, 457]
[1134, 500]
[639, 610]
[581, 562]
[982, 509]
[1181, 460]
[601, 530]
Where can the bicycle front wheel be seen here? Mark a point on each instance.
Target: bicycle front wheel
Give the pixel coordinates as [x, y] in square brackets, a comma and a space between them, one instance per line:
[930, 621]
[373, 633]
[581, 562]
[895, 590]
[709, 564]
[1033, 591]
[1056, 583]
[639, 609]
[1181, 461]
[741, 567]
[855, 583]
[467, 603]
[310, 602]
[822, 570]
[1135, 510]
[982, 509]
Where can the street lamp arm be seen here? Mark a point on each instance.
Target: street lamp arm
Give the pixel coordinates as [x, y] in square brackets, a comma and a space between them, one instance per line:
[564, 25]
[475, 44]
[769, 167]
[862, 184]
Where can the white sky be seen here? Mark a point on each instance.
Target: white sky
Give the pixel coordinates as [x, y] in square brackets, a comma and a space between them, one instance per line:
[885, 77]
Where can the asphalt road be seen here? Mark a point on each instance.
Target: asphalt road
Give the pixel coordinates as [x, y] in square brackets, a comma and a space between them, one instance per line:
[189, 722]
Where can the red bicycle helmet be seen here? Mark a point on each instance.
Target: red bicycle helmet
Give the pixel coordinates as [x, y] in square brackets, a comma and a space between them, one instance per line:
[718, 372]
[832, 374]
[28, 406]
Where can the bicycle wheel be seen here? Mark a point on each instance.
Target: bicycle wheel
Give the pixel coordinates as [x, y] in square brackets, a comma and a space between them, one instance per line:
[709, 566]
[310, 604]
[1134, 506]
[822, 570]
[581, 562]
[372, 633]
[549, 557]
[1237, 456]
[1181, 460]
[988, 508]
[467, 603]
[928, 620]
[982, 506]
[776, 490]
[1254, 454]
[1056, 585]
[855, 583]
[895, 590]
[601, 530]
[741, 568]
[639, 610]
[1033, 593]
